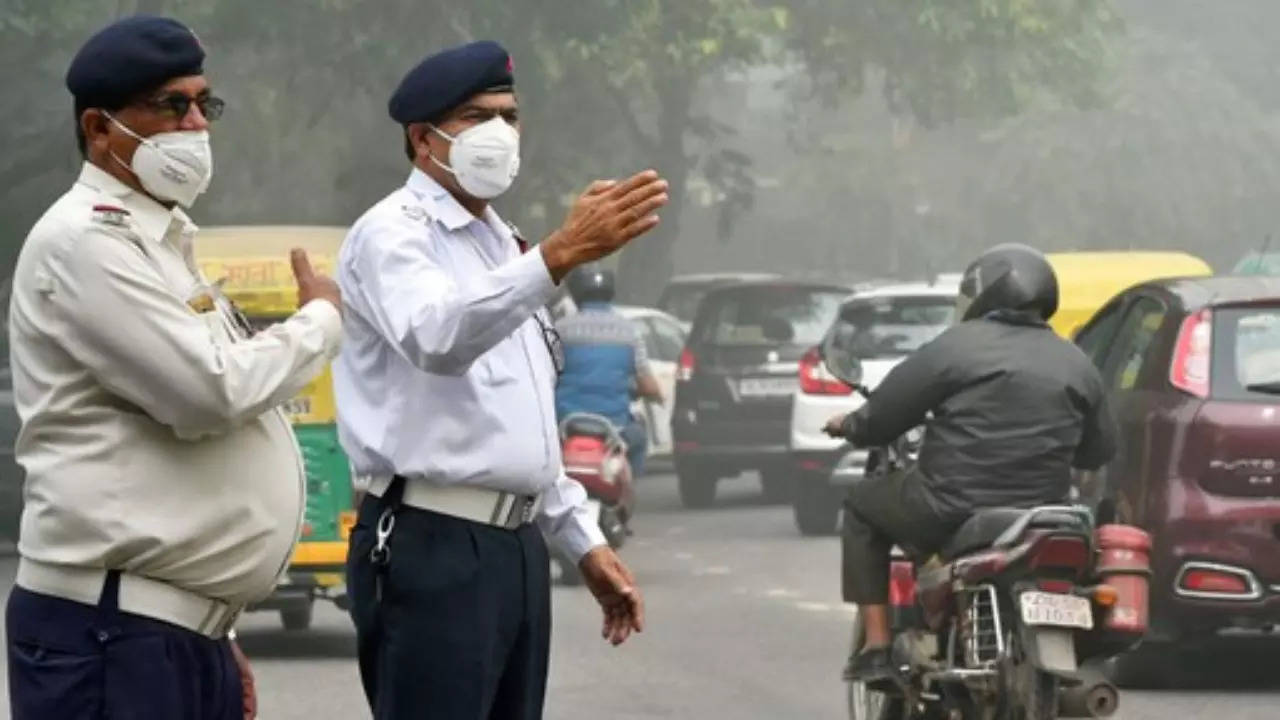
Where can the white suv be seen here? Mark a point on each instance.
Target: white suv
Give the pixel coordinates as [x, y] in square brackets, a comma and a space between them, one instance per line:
[890, 322]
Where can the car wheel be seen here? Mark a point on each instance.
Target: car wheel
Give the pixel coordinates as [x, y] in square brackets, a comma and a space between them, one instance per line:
[778, 485]
[296, 619]
[697, 489]
[816, 505]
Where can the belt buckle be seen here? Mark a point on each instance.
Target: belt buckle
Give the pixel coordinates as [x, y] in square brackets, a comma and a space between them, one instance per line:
[521, 512]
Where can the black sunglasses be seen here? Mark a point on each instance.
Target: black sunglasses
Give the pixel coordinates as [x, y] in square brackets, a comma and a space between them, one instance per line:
[178, 105]
[555, 346]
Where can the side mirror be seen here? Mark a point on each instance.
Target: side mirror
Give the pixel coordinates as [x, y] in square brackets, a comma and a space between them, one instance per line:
[841, 361]
[777, 330]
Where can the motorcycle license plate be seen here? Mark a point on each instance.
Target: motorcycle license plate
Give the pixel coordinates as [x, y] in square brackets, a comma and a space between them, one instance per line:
[1042, 608]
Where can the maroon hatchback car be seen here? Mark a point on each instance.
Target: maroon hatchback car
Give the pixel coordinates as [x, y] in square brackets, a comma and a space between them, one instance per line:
[1192, 369]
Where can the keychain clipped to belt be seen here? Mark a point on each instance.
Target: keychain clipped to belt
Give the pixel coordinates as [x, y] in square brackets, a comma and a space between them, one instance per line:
[388, 506]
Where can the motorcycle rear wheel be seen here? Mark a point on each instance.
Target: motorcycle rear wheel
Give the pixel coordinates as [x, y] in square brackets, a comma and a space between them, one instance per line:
[1029, 693]
[864, 703]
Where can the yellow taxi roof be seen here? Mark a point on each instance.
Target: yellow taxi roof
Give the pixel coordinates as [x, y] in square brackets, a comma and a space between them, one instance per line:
[252, 262]
[1088, 280]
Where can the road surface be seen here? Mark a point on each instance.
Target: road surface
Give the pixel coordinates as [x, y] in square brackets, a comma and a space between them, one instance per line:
[745, 624]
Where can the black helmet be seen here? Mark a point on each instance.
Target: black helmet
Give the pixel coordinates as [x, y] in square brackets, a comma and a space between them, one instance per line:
[1008, 277]
[591, 283]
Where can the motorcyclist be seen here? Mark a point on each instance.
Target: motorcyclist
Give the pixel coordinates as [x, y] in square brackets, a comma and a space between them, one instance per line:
[1008, 408]
[605, 360]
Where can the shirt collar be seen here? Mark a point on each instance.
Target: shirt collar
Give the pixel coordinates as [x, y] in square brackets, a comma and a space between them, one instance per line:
[156, 220]
[440, 203]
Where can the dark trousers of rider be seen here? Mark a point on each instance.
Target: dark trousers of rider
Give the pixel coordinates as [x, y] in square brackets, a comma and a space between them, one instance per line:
[637, 447]
[882, 511]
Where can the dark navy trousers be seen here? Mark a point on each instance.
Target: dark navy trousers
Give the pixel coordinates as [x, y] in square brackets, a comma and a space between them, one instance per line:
[463, 626]
[71, 661]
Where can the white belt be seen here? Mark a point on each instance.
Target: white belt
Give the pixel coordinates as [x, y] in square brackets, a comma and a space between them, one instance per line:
[138, 595]
[481, 505]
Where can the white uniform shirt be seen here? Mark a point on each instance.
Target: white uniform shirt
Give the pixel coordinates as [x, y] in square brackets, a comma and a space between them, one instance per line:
[444, 376]
[150, 433]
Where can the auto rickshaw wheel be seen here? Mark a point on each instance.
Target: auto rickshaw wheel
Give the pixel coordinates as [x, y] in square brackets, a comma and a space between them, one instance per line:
[299, 617]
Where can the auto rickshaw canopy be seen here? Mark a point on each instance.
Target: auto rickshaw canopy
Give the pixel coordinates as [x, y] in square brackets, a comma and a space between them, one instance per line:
[1089, 280]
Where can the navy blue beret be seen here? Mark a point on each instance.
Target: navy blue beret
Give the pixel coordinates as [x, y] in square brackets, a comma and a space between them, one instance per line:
[132, 56]
[445, 80]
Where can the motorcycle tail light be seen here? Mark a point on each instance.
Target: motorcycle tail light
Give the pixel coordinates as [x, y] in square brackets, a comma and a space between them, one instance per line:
[1060, 552]
[902, 585]
[1061, 587]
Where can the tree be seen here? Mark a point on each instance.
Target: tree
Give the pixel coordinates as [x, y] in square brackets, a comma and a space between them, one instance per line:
[654, 57]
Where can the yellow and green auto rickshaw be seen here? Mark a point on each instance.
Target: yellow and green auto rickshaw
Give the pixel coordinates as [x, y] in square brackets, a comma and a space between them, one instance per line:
[1088, 280]
[252, 265]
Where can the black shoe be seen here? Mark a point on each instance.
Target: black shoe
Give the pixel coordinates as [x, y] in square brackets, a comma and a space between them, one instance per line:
[874, 668]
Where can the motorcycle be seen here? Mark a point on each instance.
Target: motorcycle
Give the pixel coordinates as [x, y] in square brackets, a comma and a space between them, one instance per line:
[595, 455]
[1000, 624]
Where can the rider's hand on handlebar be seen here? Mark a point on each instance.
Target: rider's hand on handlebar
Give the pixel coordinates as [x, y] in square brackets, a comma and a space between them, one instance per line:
[835, 426]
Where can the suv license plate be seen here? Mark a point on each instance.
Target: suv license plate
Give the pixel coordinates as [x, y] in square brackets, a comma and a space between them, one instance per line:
[1042, 608]
[767, 387]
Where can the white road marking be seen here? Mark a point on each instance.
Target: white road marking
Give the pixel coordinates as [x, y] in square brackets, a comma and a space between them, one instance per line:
[813, 606]
[713, 570]
[684, 556]
[781, 593]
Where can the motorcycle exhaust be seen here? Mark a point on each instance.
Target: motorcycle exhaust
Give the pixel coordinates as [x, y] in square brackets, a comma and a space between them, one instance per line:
[1095, 697]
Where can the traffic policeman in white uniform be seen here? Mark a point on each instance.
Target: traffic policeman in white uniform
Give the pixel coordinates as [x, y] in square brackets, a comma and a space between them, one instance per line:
[446, 397]
[164, 489]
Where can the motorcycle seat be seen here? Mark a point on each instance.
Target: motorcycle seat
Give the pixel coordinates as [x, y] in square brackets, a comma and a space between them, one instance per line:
[985, 526]
[588, 426]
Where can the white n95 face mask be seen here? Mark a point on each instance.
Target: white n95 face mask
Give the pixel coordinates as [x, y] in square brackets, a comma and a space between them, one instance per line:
[485, 158]
[172, 166]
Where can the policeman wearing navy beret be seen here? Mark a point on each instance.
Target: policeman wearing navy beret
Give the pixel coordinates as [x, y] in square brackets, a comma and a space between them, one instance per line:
[446, 401]
[163, 484]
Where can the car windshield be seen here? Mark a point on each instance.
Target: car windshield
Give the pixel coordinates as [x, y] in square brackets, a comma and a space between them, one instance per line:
[773, 315]
[886, 327]
[1247, 353]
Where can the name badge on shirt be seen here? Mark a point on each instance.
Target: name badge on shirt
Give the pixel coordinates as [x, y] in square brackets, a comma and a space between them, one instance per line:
[202, 301]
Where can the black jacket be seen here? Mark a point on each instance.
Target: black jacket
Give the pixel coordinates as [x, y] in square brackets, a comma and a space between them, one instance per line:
[1014, 408]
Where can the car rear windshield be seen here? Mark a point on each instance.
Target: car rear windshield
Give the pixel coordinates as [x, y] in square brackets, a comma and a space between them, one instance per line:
[887, 327]
[1246, 355]
[682, 300]
[770, 316]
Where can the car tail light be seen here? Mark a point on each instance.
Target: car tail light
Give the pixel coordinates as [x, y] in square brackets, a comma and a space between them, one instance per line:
[816, 380]
[1189, 371]
[902, 584]
[1212, 581]
[688, 363]
[1060, 552]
